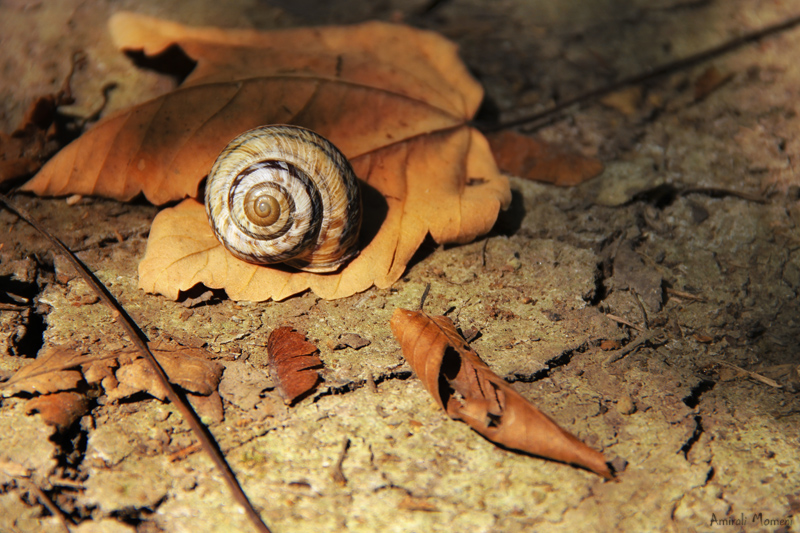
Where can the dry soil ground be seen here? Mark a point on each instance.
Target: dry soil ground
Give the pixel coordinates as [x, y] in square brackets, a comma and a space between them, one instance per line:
[691, 237]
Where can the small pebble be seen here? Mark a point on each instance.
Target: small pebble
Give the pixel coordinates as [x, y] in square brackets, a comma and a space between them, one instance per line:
[625, 405]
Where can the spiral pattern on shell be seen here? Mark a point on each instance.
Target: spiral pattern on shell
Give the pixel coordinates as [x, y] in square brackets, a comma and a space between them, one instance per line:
[284, 194]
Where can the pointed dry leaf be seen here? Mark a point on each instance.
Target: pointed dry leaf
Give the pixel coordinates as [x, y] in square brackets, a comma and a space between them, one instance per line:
[394, 99]
[529, 158]
[469, 391]
[294, 362]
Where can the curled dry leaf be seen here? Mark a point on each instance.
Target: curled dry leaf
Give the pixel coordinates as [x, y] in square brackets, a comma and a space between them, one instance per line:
[395, 100]
[294, 362]
[469, 391]
[529, 158]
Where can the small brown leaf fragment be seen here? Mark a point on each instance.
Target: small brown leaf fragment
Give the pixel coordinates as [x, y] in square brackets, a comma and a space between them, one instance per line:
[411, 503]
[709, 81]
[49, 373]
[61, 409]
[469, 391]
[209, 407]
[705, 339]
[97, 371]
[609, 344]
[351, 340]
[526, 157]
[626, 101]
[294, 362]
[187, 368]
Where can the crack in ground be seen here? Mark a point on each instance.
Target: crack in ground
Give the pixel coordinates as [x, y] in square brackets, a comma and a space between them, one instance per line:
[692, 400]
[690, 442]
[351, 386]
[560, 360]
[29, 337]
[137, 516]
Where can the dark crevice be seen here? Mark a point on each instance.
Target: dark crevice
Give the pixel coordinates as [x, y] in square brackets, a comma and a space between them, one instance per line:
[30, 342]
[401, 375]
[693, 399]
[72, 446]
[698, 430]
[559, 361]
[30, 337]
[173, 61]
[429, 7]
[135, 516]
[351, 386]
[600, 292]
[660, 196]
[664, 195]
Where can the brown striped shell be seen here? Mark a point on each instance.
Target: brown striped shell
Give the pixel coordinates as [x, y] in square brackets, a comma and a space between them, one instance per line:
[284, 194]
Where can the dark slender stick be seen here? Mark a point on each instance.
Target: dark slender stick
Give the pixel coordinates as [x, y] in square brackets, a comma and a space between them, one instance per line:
[636, 79]
[140, 340]
[47, 502]
[424, 296]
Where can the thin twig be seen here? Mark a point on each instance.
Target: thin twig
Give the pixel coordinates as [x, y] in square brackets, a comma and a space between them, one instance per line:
[683, 294]
[47, 502]
[636, 79]
[638, 300]
[621, 320]
[14, 308]
[752, 375]
[140, 341]
[720, 191]
[338, 474]
[641, 340]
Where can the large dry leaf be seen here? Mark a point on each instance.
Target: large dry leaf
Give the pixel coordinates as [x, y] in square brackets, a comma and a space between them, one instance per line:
[394, 99]
[468, 390]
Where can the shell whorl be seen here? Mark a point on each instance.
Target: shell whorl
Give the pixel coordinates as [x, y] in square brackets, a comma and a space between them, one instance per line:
[284, 194]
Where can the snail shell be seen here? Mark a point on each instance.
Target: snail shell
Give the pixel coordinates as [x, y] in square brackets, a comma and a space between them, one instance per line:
[284, 194]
